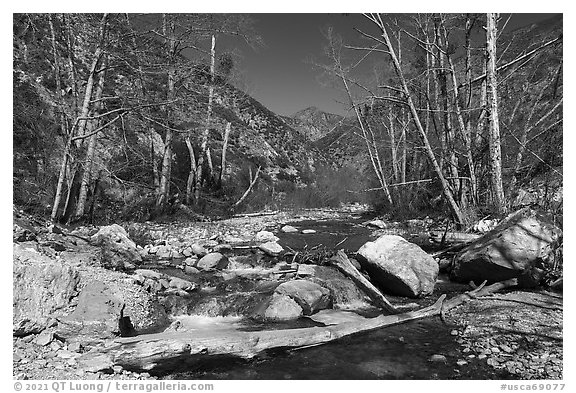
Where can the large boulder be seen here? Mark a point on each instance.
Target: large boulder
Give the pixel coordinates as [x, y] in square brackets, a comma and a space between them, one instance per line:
[278, 308]
[399, 267]
[520, 247]
[211, 261]
[42, 289]
[345, 294]
[309, 295]
[118, 250]
[111, 307]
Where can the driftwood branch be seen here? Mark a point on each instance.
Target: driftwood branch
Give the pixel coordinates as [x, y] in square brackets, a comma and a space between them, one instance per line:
[342, 263]
[453, 238]
[164, 351]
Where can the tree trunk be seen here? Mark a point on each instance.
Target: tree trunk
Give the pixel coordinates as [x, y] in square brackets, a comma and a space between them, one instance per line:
[205, 134]
[88, 162]
[193, 171]
[91, 76]
[223, 157]
[494, 129]
[393, 151]
[464, 131]
[250, 187]
[165, 174]
[81, 120]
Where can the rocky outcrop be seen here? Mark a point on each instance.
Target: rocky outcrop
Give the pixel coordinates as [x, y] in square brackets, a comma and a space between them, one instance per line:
[399, 267]
[110, 308]
[42, 289]
[519, 247]
[118, 250]
[309, 295]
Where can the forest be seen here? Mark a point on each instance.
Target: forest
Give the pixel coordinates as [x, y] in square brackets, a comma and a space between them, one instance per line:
[140, 152]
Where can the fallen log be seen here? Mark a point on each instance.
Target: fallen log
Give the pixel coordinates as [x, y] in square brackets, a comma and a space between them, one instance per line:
[257, 214]
[165, 351]
[453, 238]
[342, 263]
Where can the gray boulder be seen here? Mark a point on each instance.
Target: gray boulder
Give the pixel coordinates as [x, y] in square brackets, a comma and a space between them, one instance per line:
[271, 248]
[310, 296]
[399, 267]
[42, 289]
[182, 284]
[198, 249]
[211, 261]
[278, 308]
[110, 308]
[265, 236]
[118, 250]
[520, 247]
[345, 294]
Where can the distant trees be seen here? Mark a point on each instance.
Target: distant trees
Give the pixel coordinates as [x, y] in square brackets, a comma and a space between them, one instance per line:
[124, 89]
[439, 71]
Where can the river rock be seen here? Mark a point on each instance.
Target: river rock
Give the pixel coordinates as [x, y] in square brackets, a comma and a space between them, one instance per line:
[97, 314]
[147, 273]
[211, 261]
[191, 270]
[117, 248]
[377, 224]
[265, 236]
[520, 247]
[165, 252]
[271, 248]
[22, 231]
[399, 267]
[279, 308]
[310, 296]
[109, 308]
[288, 229]
[198, 250]
[42, 289]
[345, 294]
[44, 338]
[182, 284]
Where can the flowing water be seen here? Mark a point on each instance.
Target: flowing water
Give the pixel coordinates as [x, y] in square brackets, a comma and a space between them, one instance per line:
[396, 352]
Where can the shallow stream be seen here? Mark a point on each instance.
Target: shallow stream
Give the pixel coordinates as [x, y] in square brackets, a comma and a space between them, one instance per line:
[396, 352]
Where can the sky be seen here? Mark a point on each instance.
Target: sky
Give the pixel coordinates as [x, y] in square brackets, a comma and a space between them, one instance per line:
[281, 76]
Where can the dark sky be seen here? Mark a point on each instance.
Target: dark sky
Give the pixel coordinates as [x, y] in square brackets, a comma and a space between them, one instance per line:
[280, 75]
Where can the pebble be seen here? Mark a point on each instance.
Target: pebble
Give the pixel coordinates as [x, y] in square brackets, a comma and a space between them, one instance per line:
[308, 231]
[437, 359]
[44, 338]
[461, 362]
[454, 333]
[288, 229]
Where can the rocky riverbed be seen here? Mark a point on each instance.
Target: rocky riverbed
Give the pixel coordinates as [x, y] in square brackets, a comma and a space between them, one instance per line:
[233, 267]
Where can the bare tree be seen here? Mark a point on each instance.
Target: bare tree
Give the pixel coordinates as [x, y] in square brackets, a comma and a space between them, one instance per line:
[494, 125]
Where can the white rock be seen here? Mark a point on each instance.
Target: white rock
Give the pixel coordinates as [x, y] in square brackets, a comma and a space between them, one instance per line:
[271, 248]
[265, 236]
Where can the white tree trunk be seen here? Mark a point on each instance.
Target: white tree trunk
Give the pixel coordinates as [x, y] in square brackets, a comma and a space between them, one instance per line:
[494, 129]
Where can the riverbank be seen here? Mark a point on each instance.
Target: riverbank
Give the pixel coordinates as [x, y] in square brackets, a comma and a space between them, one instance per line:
[484, 331]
